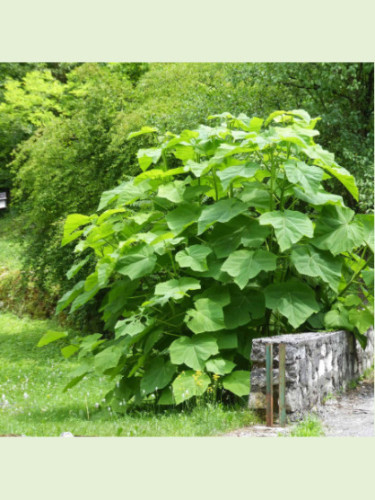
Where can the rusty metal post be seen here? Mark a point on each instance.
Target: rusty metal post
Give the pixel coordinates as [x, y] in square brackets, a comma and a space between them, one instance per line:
[282, 411]
[269, 385]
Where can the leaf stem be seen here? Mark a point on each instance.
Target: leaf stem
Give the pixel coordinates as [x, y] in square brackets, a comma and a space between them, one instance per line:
[213, 172]
[352, 279]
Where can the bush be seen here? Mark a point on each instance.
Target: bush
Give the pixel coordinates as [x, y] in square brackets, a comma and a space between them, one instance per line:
[239, 239]
[80, 148]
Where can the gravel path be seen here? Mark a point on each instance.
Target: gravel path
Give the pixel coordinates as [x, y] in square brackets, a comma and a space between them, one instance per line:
[350, 414]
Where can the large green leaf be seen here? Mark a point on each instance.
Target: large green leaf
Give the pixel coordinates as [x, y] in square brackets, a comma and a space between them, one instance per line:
[69, 296]
[189, 384]
[226, 340]
[320, 197]
[77, 267]
[207, 316]
[307, 176]
[290, 226]
[293, 299]
[221, 211]
[156, 175]
[142, 131]
[198, 169]
[326, 161]
[69, 350]
[238, 382]
[367, 221]
[125, 193]
[217, 293]
[89, 343]
[220, 366]
[225, 238]
[115, 300]
[254, 234]
[148, 156]
[141, 218]
[51, 336]
[74, 221]
[368, 277]
[157, 375]
[138, 262]
[336, 230]
[176, 289]
[174, 191]
[362, 319]
[193, 351]
[195, 192]
[243, 265]
[194, 257]
[225, 150]
[78, 374]
[108, 358]
[84, 297]
[244, 306]
[311, 262]
[182, 217]
[338, 318]
[256, 195]
[345, 178]
[229, 174]
[104, 270]
[129, 326]
[214, 270]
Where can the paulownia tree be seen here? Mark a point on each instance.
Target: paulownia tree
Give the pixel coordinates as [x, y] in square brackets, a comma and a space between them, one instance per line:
[240, 239]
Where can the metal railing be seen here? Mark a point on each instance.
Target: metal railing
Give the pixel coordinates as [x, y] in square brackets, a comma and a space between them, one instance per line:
[269, 385]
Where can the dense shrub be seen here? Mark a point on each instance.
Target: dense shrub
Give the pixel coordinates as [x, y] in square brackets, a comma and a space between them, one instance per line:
[239, 239]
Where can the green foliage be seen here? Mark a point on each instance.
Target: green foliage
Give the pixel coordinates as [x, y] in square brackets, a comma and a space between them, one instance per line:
[26, 104]
[311, 426]
[19, 291]
[66, 127]
[192, 307]
[33, 404]
[342, 94]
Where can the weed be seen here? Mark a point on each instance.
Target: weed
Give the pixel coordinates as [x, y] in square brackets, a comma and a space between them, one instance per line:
[311, 426]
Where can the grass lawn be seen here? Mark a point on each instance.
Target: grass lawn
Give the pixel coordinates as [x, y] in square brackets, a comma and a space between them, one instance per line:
[32, 402]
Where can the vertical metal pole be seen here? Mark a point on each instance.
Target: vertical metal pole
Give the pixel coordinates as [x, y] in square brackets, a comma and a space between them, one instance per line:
[282, 411]
[269, 386]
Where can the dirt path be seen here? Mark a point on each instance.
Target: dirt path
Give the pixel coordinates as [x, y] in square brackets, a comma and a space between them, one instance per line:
[350, 414]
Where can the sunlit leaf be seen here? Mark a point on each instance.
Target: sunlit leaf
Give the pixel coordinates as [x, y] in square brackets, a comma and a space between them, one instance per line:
[207, 316]
[290, 226]
[193, 351]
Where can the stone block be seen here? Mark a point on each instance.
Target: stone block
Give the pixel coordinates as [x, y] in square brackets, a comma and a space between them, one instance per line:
[317, 364]
[257, 401]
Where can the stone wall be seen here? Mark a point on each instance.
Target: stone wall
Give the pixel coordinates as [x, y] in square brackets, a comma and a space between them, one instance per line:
[317, 364]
